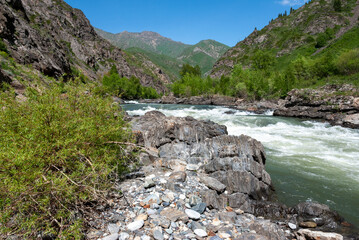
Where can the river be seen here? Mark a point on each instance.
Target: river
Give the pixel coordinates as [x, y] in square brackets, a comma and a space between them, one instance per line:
[307, 160]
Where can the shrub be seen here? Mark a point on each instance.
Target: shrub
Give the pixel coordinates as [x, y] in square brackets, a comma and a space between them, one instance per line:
[3, 46]
[54, 157]
[348, 62]
[126, 88]
[337, 5]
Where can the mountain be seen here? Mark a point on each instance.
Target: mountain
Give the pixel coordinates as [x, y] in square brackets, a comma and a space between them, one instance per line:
[205, 53]
[168, 54]
[318, 27]
[148, 41]
[52, 37]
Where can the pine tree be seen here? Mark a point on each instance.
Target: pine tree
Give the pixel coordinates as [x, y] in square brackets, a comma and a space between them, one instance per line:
[291, 10]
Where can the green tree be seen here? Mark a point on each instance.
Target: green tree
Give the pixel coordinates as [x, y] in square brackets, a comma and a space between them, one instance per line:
[262, 60]
[188, 69]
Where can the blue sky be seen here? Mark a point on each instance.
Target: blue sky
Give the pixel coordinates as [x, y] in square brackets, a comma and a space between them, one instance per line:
[187, 21]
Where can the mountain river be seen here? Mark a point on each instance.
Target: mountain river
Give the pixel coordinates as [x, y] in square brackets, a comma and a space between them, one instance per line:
[307, 160]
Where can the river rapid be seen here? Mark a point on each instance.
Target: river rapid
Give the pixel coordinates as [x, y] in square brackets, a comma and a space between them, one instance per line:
[307, 160]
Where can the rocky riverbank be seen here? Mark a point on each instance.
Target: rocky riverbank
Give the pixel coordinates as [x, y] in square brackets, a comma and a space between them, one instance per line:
[339, 105]
[218, 100]
[196, 182]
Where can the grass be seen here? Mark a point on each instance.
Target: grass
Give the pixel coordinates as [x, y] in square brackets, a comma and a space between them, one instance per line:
[55, 157]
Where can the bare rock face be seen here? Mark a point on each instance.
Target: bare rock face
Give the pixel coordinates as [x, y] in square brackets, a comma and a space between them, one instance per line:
[231, 163]
[55, 38]
[335, 104]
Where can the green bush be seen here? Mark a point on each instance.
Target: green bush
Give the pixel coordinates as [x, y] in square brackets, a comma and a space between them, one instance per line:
[3, 46]
[56, 155]
[126, 88]
[348, 62]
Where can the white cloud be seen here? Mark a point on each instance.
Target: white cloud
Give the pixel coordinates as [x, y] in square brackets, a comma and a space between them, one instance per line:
[292, 2]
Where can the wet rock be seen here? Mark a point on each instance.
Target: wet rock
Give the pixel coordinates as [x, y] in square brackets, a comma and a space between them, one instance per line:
[327, 103]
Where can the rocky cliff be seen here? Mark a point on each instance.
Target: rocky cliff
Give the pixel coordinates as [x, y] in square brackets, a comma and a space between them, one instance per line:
[56, 39]
[305, 31]
[338, 105]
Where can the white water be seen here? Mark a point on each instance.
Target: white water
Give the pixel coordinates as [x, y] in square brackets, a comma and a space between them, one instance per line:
[307, 160]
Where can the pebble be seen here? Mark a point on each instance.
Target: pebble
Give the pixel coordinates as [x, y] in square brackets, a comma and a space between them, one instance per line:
[124, 236]
[192, 214]
[113, 228]
[157, 234]
[200, 232]
[135, 225]
[292, 226]
[192, 167]
[308, 224]
[200, 208]
[111, 237]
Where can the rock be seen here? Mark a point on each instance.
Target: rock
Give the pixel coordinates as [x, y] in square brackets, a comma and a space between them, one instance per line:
[304, 234]
[192, 167]
[292, 226]
[135, 225]
[113, 228]
[200, 208]
[227, 217]
[124, 236]
[194, 200]
[142, 217]
[157, 234]
[178, 176]
[174, 215]
[111, 237]
[200, 232]
[158, 129]
[308, 224]
[327, 103]
[192, 214]
[212, 183]
[61, 29]
[153, 198]
[252, 236]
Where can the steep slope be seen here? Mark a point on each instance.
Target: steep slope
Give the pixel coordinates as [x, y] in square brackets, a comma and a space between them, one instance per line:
[205, 53]
[308, 30]
[166, 53]
[58, 40]
[148, 41]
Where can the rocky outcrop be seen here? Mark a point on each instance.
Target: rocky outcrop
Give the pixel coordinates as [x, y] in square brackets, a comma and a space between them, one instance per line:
[338, 105]
[196, 182]
[218, 100]
[56, 39]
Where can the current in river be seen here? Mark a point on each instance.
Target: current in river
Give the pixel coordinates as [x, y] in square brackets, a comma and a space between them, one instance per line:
[307, 160]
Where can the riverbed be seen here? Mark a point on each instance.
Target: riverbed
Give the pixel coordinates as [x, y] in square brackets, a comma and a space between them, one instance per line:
[307, 160]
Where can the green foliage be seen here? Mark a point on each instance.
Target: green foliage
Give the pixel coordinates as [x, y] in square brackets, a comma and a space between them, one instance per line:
[3, 46]
[262, 60]
[55, 156]
[188, 69]
[126, 88]
[323, 38]
[337, 5]
[348, 62]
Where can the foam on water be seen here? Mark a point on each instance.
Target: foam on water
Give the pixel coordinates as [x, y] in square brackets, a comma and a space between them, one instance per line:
[306, 159]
